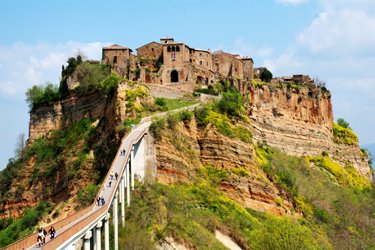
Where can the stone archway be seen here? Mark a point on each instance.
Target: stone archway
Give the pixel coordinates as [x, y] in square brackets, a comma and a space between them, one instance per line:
[174, 76]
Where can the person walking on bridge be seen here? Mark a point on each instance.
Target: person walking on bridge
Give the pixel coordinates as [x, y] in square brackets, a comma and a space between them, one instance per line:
[111, 175]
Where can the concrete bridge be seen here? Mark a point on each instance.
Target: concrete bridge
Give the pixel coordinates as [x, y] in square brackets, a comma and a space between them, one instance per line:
[85, 227]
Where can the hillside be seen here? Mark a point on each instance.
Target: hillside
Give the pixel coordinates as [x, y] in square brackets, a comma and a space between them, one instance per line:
[265, 165]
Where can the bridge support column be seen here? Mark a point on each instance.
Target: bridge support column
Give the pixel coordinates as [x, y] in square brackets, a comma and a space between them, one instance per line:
[132, 166]
[86, 241]
[98, 236]
[122, 196]
[93, 231]
[128, 183]
[106, 232]
[115, 219]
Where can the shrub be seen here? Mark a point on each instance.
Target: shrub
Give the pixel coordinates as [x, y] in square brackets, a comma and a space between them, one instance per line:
[231, 103]
[109, 84]
[90, 76]
[160, 101]
[172, 120]
[341, 122]
[240, 171]
[266, 75]
[40, 95]
[342, 135]
[87, 195]
[186, 115]
[156, 127]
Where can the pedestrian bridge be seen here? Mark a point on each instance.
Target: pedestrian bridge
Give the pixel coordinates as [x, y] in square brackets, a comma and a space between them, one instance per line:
[85, 227]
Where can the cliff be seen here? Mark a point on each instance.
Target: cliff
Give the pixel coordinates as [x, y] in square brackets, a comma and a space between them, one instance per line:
[299, 122]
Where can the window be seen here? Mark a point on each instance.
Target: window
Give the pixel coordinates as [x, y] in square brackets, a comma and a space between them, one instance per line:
[177, 48]
[115, 59]
[173, 48]
[235, 69]
[169, 49]
[200, 62]
[152, 49]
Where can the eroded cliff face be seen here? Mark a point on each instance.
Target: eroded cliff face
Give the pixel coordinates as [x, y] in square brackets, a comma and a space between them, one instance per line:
[107, 113]
[185, 150]
[299, 122]
[93, 105]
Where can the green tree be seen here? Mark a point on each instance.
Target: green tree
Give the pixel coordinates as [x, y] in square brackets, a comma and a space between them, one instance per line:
[231, 103]
[39, 95]
[343, 123]
[266, 75]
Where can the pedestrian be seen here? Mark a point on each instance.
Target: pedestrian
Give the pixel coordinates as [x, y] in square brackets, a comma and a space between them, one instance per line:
[116, 175]
[124, 151]
[98, 200]
[109, 184]
[111, 175]
[52, 232]
[39, 238]
[103, 201]
[44, 235]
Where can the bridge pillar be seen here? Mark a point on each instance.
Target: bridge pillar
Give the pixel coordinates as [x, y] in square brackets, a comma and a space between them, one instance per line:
[93, 231]
[122, 196]
[98, 236]
[86, 240]
[115, 219]
[106, 231]
[132, 166]
[128, 183]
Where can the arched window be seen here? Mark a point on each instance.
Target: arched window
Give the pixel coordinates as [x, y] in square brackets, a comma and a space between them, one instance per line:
[177, 48]
[174, 76]
[173, 49]
[115, 59]
[169, 49]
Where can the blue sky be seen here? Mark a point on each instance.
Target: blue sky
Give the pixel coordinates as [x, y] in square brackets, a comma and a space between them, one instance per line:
[329, 39]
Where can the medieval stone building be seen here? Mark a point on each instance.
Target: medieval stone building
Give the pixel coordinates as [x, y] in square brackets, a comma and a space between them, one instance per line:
[169, 63]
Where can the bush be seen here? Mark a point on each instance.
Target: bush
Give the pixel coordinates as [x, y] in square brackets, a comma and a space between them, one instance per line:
[109, 84]
[341, 122]
[342, 135]
[231, 103]
[87, 195]
[41, 95]
[172, 120]
[156, 127]
[186, 115]
[160, 101]
[90, 76]
[266, 75]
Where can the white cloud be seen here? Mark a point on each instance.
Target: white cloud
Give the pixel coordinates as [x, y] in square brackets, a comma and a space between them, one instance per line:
[338, 47]
[243, 48]
[23, 65]
[342, 30]
[292, 2]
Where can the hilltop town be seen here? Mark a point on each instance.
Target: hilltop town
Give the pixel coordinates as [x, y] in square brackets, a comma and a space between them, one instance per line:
[176, 64]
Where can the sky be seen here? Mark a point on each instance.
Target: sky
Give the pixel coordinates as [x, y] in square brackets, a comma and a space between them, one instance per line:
[332, 40]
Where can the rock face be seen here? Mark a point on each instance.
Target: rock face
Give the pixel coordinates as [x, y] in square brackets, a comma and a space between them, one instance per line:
[183, 151]
[65, 112]
[299, 122]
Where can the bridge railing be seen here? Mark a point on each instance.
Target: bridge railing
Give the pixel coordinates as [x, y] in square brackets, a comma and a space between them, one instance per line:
[81, 225]
[30, 240]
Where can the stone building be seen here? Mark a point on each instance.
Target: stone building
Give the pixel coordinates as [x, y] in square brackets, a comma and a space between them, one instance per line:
[169, 63]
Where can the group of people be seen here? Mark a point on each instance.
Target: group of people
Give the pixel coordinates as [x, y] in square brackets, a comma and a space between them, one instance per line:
[122, 152]
[100, 201]
[42, 234]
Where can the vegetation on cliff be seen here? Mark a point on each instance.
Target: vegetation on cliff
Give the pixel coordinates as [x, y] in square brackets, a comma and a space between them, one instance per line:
[343, 134]
[335, 200]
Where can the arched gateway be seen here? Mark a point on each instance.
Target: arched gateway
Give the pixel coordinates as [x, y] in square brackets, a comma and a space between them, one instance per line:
[174, 76]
